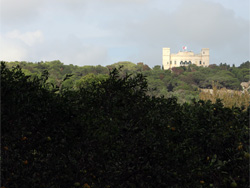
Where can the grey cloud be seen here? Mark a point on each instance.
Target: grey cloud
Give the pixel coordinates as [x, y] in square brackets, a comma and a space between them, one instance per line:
[71, 51]
[198, 23]
[27, 11]
[207, 22]
[130, 24]
[17, 12]
[71, 5]
[215, 27]
[13, 11]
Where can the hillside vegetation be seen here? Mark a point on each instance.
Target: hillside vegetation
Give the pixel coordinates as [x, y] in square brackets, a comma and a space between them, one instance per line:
[182, 82]
[111, 133]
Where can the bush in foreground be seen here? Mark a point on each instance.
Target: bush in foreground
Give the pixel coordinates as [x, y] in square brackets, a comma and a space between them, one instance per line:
[111, 134]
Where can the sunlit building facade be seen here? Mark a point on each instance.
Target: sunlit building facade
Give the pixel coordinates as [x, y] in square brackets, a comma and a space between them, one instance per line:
[184, 58]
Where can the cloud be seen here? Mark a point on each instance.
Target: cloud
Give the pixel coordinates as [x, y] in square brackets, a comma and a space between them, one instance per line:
[29, 38]
[92, 31]
[16, 46]
[28, 11]
[23, 12]
[241, 9]
[11, 50]
[86, 55]
[32, 46]
[73, 51]
[197, 23]
[208, 23]
[13, 11]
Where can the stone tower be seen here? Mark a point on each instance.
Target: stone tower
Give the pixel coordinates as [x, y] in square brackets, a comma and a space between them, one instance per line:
[205, 56]
[165, 57]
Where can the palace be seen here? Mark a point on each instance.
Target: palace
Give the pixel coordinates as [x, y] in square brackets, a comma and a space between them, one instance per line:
[184, 58]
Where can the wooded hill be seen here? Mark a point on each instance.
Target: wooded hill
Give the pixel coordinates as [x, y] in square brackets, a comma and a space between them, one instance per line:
[182, 82]
[112, 134]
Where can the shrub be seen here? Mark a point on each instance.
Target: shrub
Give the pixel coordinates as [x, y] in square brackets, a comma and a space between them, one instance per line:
[111, 134]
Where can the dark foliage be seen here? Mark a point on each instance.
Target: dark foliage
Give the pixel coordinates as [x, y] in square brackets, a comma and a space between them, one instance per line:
[112, 134]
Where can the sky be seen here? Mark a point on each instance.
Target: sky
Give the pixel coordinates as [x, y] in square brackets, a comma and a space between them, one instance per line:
[103, 32]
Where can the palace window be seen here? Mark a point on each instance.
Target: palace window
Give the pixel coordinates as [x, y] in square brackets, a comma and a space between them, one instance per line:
[171, 62]
[200, 62]
[175, 62]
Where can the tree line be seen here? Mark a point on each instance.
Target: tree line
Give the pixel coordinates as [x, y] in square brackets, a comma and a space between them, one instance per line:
[181, 82]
